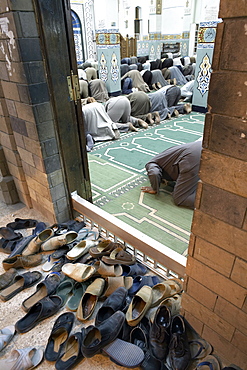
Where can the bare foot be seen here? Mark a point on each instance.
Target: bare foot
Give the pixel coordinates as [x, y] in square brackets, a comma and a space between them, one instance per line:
[157, 117]
[187, 107]
[142, 123]
[148, 189]
[149, 119]
[132, 128]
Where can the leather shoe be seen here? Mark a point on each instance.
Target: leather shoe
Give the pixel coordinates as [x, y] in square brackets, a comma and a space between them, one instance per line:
[139, 336]
[97, 337]
[35, 244]
[160, 333]
[115, 302]
[179, 351]
[57, 241]
[139, 305]
[19, 261]
[89, 299]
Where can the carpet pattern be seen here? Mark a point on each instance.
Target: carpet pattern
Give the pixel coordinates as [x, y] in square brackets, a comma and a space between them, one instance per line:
[117, 171]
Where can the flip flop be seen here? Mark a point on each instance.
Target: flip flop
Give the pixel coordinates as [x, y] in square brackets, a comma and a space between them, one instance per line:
[93, 234]
[59, 336]
[22, 359]
[210, 362]
[199, 349]
[124, 353]
[64, 289]
[20, 283]
[77, 292]
[49, 264]
[6, 334]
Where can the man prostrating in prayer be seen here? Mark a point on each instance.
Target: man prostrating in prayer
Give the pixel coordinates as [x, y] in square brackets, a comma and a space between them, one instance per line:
[181, 164]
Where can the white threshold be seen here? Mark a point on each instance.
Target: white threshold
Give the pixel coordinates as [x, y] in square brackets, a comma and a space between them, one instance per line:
[156, 256]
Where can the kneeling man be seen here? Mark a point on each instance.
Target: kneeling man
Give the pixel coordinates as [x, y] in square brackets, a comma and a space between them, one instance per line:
[181, 164]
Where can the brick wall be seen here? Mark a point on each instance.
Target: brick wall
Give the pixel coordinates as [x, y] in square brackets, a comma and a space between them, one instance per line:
[27, 132]
[216, 274]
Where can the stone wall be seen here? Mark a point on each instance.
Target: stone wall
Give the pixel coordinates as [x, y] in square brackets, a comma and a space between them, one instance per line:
[27, 132]
[216, 274]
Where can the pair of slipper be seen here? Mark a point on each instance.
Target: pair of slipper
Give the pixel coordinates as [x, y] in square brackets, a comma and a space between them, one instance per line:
[20, 282]
[62, 347]
[71, 292]
[43, 289]
[40, 311]
[22, 359]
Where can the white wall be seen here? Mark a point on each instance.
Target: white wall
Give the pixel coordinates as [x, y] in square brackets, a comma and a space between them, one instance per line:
[172, 16]
[206, 10]
[106, 14]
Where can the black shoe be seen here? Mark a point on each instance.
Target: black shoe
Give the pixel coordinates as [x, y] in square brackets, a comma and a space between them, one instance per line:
[72, 353]
[115, 302]
[179, 351]
[41, 310]
[22, 223]
[160, 333]
[139, 336]
[95, 338]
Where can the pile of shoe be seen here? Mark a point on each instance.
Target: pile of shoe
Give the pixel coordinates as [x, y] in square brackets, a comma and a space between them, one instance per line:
[136, 320]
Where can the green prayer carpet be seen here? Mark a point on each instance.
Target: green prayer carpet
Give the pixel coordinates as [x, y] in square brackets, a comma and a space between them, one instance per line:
[117, 171]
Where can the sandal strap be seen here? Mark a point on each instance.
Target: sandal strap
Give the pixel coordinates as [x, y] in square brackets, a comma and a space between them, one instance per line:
[23, 361]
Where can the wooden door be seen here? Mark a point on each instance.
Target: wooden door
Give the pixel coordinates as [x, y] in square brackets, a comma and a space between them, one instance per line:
[54, 18]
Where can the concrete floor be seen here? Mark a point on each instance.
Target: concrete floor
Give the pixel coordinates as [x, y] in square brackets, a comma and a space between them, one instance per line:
[11, 310]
